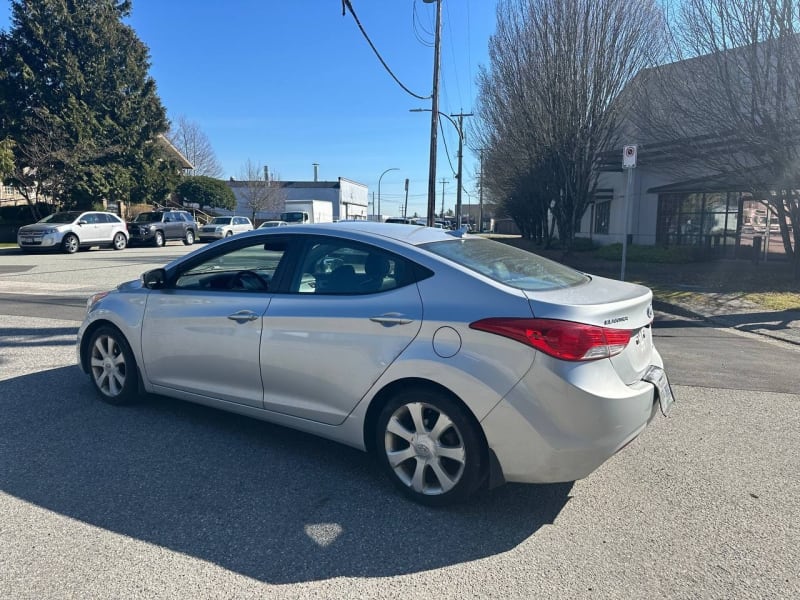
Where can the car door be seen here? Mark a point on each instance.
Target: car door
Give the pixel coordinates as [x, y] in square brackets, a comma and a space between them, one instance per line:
[172, 227]
[240, 225]
[334, 333]
[201, 335]
[89, 228]
[105, 227]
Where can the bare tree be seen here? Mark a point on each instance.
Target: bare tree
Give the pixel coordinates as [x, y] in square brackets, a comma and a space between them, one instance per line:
[187, 137]
[732, 105]
[262, 191]
[550, 101]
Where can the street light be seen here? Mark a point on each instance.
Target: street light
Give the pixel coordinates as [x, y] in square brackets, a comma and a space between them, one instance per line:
[460, 130]
[379, 188]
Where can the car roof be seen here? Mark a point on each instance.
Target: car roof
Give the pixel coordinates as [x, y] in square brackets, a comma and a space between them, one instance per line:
[407, 234]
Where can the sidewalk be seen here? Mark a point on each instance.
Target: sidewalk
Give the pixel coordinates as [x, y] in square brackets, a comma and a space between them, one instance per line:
[729, 310]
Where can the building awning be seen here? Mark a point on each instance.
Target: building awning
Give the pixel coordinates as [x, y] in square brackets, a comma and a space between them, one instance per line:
[174, 153]
[739, 181]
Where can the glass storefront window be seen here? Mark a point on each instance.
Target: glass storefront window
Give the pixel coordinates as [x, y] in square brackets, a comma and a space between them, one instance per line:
[698, 219]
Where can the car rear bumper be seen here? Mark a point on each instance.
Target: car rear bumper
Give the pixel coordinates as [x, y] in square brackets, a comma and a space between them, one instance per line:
[555, 426]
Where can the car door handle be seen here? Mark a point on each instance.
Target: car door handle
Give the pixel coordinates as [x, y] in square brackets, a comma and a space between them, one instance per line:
[390, 319]
[243, 316]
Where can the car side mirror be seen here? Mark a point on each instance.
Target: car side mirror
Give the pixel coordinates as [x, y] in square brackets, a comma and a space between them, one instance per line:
[155, 279]
[82, 222]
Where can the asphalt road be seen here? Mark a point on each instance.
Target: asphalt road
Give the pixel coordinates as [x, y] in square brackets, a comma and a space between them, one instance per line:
[171, 500]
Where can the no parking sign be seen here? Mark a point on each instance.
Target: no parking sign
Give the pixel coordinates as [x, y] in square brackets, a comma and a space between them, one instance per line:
[628, 157]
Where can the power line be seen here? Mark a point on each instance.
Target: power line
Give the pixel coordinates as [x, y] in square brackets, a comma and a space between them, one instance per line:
[446, 150]
[347, 6]
[418, 26]
[453, 53]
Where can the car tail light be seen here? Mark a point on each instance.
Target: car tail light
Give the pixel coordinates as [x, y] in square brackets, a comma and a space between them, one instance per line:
[562, 339]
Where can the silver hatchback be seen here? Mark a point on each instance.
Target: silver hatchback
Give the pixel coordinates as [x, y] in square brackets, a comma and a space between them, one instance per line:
[459, 361]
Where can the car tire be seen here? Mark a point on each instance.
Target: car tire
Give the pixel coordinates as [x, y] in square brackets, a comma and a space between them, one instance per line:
[431, 461]
[70, 244]
[188, 240]
[158, 239]
[120, 242]
[112, 367]
[229, 234]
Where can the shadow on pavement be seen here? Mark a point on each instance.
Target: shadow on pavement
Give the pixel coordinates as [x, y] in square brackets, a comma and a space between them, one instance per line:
[264, 501]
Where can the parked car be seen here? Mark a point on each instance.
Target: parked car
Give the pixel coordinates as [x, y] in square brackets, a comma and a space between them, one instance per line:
[222, 227]
[400, 220]
[159, 226]
[458, 360]
[267, 224]
[74, 230]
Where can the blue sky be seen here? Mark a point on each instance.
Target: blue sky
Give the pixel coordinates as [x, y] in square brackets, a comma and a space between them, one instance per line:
[287, 84]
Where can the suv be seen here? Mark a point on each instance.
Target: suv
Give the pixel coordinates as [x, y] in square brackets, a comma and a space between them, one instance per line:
[73, 231]
[222, 227]
[159, 226]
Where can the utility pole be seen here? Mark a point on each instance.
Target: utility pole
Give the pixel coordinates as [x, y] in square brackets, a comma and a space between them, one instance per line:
[405, 206]
[443, 182]
[434, 113]
[461, 137]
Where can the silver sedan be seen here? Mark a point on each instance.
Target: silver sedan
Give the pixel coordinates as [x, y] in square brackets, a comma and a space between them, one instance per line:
[461, 362]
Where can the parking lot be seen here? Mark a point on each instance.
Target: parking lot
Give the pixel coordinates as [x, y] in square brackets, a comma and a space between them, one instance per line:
[171, 500]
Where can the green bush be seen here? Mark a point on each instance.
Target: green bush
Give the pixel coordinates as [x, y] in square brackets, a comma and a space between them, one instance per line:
[652, 254]
[583, 245]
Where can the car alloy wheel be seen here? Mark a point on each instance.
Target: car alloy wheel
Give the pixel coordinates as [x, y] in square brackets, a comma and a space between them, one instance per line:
[70, 243]
[430, 447]
[158, 239]
[189, 239]
[112, 366]
[120, 242]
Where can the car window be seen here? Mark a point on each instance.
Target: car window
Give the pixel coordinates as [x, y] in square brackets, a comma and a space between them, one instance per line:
[90, 218]
[248, 268]
[341, 267]
[147, 217]
[507, 264]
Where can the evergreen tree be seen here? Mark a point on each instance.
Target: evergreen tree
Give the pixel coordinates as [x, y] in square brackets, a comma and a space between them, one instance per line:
[79, 103]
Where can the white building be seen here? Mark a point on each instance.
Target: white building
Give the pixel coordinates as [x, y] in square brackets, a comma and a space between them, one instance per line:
[675, 200]
[349, 199]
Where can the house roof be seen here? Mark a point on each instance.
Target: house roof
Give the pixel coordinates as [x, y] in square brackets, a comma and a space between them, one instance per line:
[173, 152]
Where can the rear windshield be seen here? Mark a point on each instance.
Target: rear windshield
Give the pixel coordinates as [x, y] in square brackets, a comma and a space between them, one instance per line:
[507, 264]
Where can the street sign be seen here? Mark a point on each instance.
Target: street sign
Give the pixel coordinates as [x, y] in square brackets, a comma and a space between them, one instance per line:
[628, 157]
